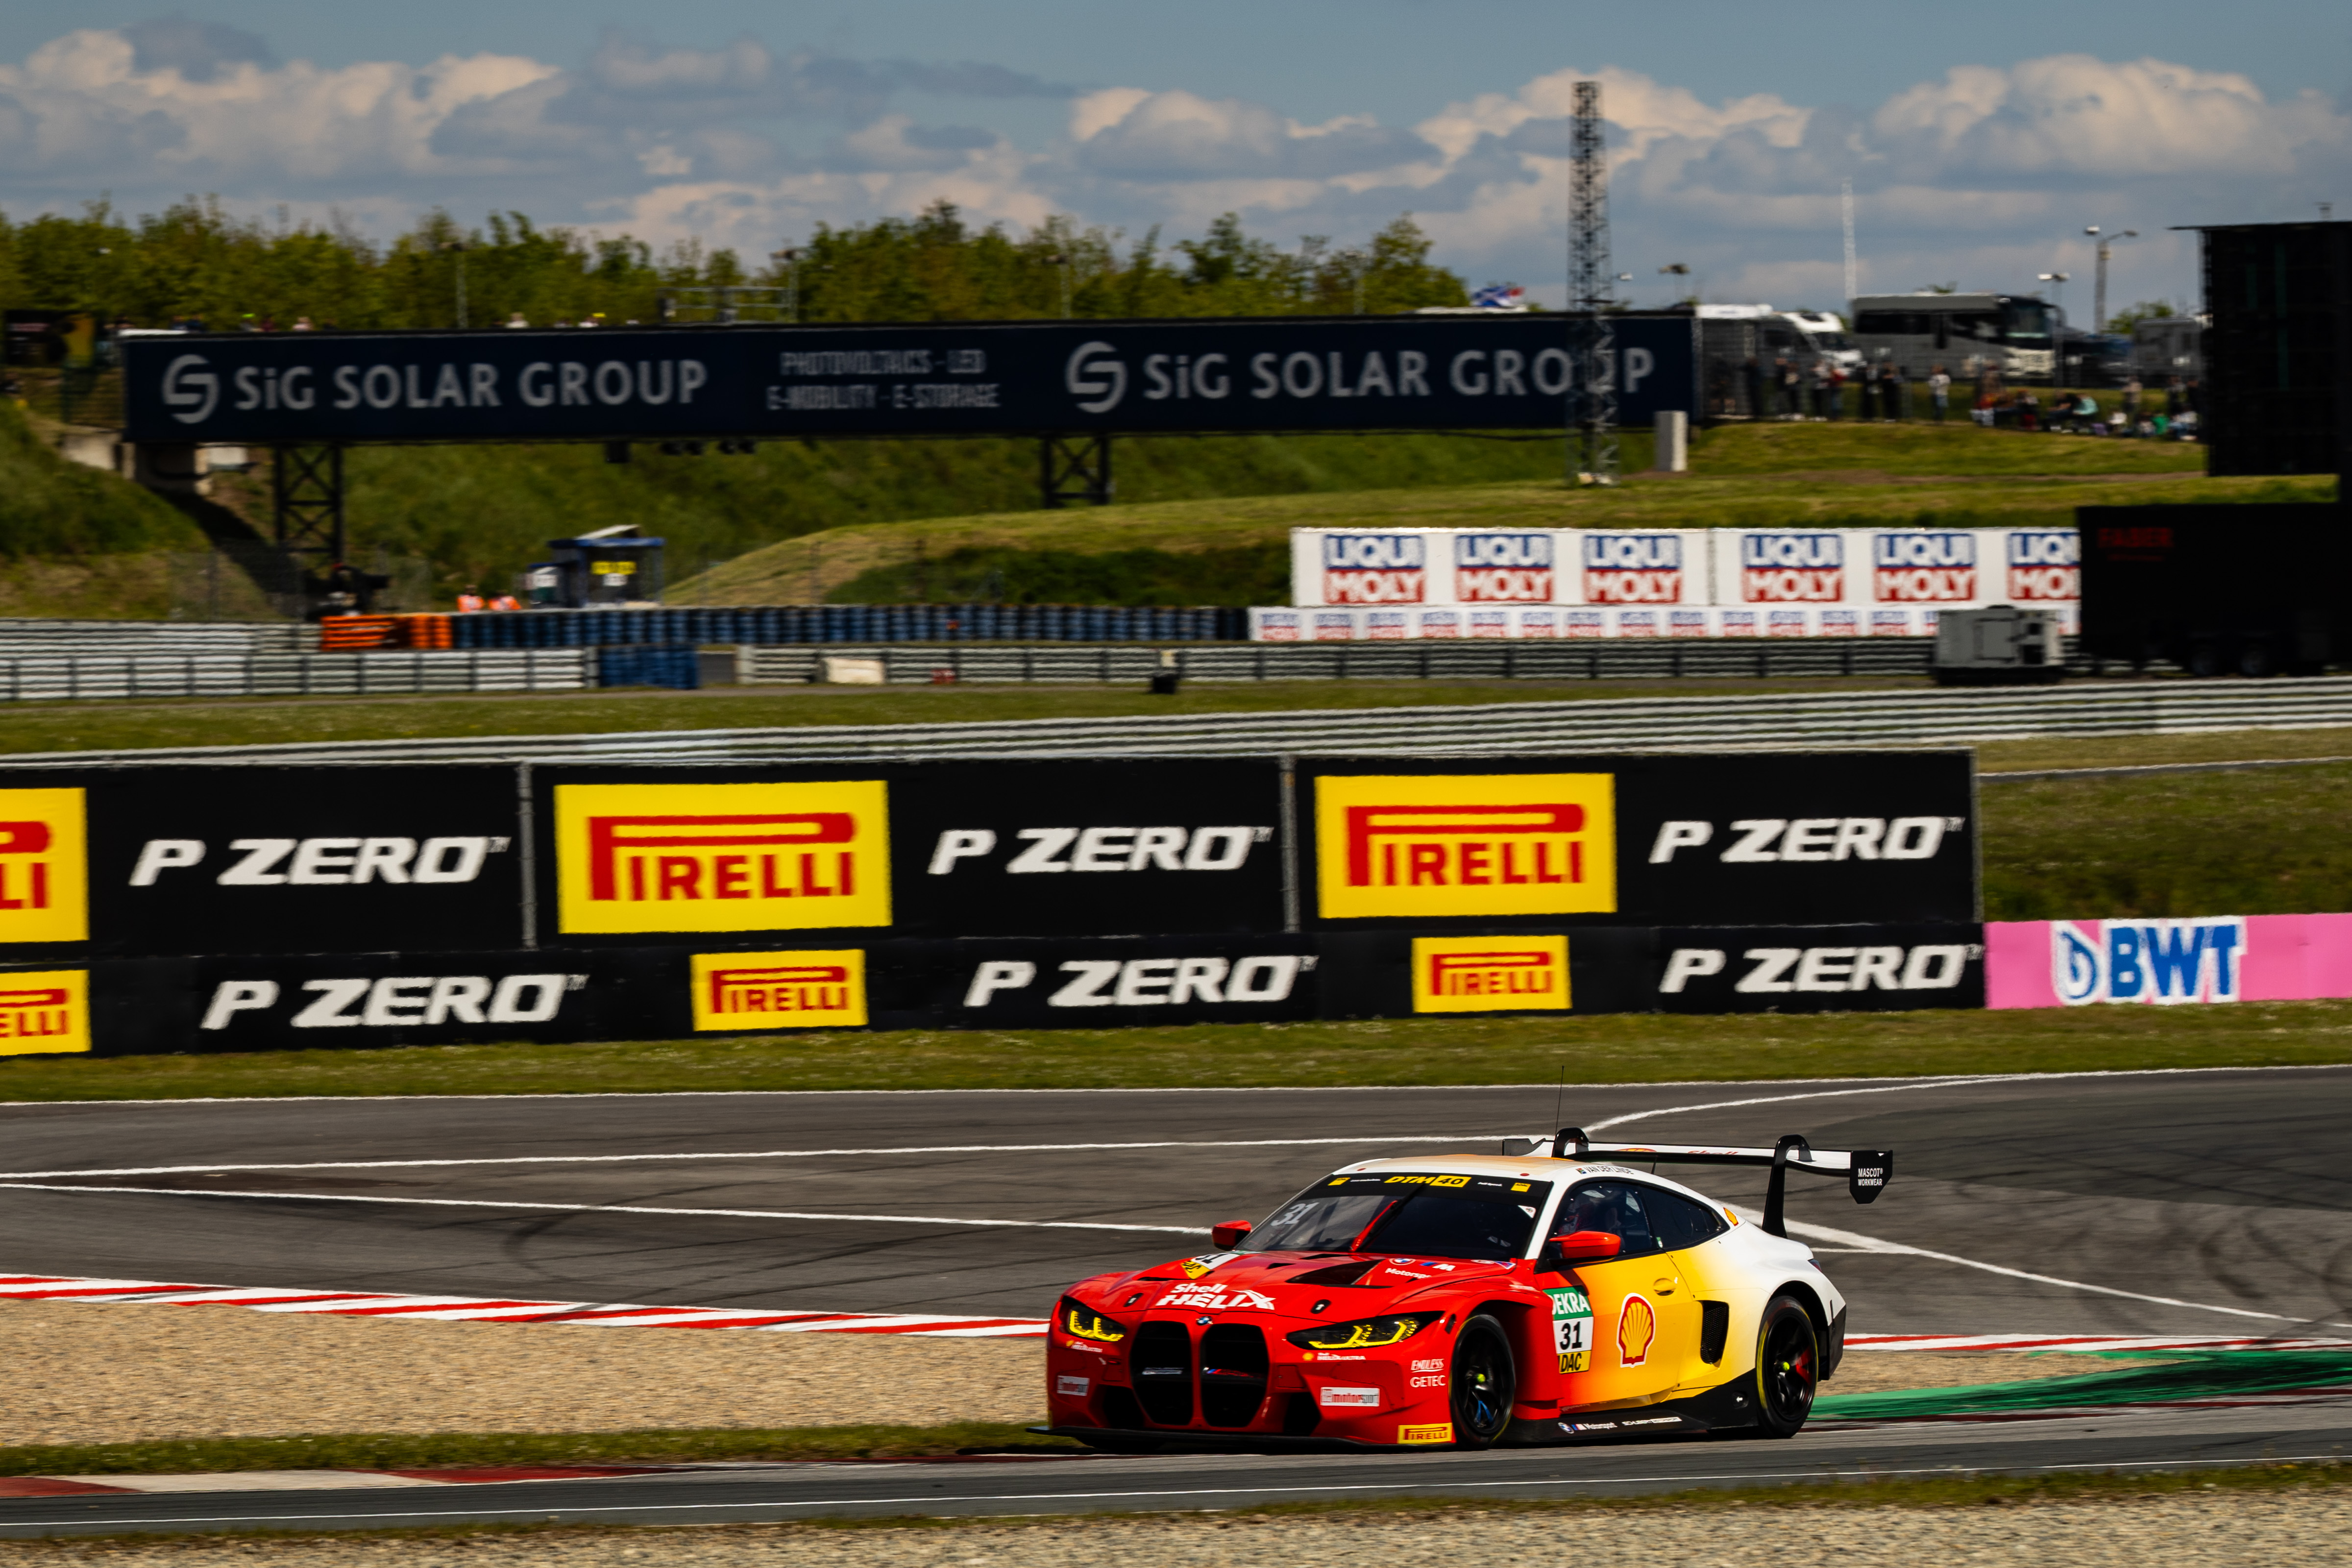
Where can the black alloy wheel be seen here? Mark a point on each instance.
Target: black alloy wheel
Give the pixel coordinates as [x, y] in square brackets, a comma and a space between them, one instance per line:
[1485, 1381]
[1788, 1367]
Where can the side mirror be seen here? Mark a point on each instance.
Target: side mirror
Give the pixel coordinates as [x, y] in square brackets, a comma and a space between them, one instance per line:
[1563, 1252]
[1229, 1234]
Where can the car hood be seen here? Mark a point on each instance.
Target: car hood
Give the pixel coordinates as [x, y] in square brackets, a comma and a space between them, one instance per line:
[1290, 1282]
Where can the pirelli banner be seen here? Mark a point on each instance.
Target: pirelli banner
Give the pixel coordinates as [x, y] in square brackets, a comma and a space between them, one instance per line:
[178, 908]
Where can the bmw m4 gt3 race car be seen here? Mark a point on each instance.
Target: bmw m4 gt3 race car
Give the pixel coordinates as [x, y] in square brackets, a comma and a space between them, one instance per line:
[1552, 1294]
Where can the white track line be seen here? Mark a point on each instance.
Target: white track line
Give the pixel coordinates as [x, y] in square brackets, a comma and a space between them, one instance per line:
[621, 1208]
[762, 1155]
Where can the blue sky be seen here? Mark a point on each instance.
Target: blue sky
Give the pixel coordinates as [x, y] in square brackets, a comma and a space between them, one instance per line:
[1979, 139]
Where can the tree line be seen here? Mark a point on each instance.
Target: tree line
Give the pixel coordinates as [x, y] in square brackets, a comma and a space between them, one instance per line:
[195, 262]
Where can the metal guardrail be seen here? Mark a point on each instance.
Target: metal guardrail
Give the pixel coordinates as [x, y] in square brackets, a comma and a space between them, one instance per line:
[75, 677]
[1763, 721]
[1048, 663]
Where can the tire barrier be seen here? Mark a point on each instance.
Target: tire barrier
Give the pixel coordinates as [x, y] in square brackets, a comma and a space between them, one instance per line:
[774, 625]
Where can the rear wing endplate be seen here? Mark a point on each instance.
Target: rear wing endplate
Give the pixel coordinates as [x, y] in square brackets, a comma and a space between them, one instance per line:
[1866, 1171]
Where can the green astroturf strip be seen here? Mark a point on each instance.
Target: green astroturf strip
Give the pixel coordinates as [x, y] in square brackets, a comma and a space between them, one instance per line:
[2194, 1374]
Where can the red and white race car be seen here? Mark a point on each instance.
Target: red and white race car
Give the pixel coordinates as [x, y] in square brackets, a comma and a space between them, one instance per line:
[1550, 1294]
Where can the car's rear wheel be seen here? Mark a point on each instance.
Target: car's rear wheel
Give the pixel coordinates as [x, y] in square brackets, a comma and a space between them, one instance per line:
[1485, 1381]
[1788, 1367]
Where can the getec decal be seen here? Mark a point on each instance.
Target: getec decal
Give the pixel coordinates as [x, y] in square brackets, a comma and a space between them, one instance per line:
[44, 1012]
[43, 879]
[721, 856]
[1503, 568]
[1375, 568]
[1923, 568]
[1633, 569]
[1792, 568]
[1489, 974]
[1465, 845]
[806, 990]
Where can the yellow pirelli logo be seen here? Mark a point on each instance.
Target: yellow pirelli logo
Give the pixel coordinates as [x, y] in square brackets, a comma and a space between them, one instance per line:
[780, 990]
[1473, 844]
[706, 857]
[43, 886]
[1489, 974]
[1441, 1432]
[44, 1012]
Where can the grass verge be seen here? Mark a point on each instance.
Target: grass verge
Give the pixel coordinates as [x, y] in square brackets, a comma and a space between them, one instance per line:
[458, 1450]
[1633, 1047]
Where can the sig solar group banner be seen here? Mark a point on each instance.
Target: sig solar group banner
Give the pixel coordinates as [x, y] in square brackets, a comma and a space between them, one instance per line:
[180, 907]
[1411, 371]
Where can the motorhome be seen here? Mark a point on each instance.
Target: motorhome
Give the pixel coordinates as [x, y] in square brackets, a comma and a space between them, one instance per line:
[1965, 333]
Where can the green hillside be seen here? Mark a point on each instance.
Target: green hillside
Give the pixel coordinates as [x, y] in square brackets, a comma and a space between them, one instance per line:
[77, 542]
[1147, 552]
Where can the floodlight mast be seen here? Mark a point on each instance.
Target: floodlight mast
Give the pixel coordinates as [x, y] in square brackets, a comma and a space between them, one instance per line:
[1591, 295]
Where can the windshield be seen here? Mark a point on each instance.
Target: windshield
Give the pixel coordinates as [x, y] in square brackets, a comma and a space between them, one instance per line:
[1408, 1214]
[2025, 322]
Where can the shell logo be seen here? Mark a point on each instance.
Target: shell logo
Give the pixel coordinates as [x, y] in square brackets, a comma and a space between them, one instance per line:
[1637, 1325]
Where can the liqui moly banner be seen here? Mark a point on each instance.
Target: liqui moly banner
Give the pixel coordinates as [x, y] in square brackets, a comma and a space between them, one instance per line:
[1650, 568]
[2168, 962]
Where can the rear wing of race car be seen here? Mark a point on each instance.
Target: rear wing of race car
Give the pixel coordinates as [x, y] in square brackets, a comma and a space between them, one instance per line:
[1866, 1171]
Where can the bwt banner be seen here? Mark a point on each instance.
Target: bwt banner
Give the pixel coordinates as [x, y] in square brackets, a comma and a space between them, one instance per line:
[1666, 582]
[2166, 961]
[606, 383]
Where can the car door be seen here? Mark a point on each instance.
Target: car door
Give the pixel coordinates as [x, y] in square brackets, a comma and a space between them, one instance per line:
[1686, 1227]
[1619, 1326]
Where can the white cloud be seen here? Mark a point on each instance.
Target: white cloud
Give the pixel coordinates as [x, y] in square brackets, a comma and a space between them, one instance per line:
[1977, 176]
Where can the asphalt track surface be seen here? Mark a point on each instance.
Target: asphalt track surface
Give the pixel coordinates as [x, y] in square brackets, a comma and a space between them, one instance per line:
[2194, 1203]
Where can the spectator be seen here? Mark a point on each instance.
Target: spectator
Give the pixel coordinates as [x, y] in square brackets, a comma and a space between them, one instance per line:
[518, 320]
[2131, 399]
[2028, 411]
[506, 601]
[302, 324]
[1752, 378]
[1939, 391]
[1793, 393]
[1820, 389]
[1836, 385]
[1898, 393]
[470, 600]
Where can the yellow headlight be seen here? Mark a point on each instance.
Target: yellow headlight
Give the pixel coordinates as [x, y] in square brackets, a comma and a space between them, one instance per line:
[1082, 1325]
[1364, 1333]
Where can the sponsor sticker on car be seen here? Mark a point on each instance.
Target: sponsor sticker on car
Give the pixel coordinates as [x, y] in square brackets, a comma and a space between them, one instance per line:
[1637, 1325]
[1571, 1328]
[1072, 1387]
[1441, 1432]
[1339, 1397]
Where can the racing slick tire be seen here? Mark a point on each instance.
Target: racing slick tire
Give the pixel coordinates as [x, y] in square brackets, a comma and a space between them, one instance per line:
[1788, 1368]
[1484, 1383]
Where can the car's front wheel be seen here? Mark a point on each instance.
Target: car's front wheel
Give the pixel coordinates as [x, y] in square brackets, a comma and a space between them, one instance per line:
[1788, 1367]
[1485, 1381]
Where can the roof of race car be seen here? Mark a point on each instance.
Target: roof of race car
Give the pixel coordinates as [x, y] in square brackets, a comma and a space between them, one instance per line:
[1541, 1170]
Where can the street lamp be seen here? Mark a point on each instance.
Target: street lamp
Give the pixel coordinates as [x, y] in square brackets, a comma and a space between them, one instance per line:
[458, 247]
[2099, 273]
[790, 258]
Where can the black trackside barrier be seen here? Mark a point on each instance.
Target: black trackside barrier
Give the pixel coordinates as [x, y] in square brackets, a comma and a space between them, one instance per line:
[832, 981]
[774, 381]
[1865, 862]
[1528, 843]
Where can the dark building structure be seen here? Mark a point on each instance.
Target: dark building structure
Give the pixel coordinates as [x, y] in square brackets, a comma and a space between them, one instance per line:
[2277, 388]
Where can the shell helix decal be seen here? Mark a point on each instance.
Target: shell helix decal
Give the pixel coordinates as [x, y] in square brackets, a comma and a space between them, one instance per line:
[1571, 1328]
[1637, 1325]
